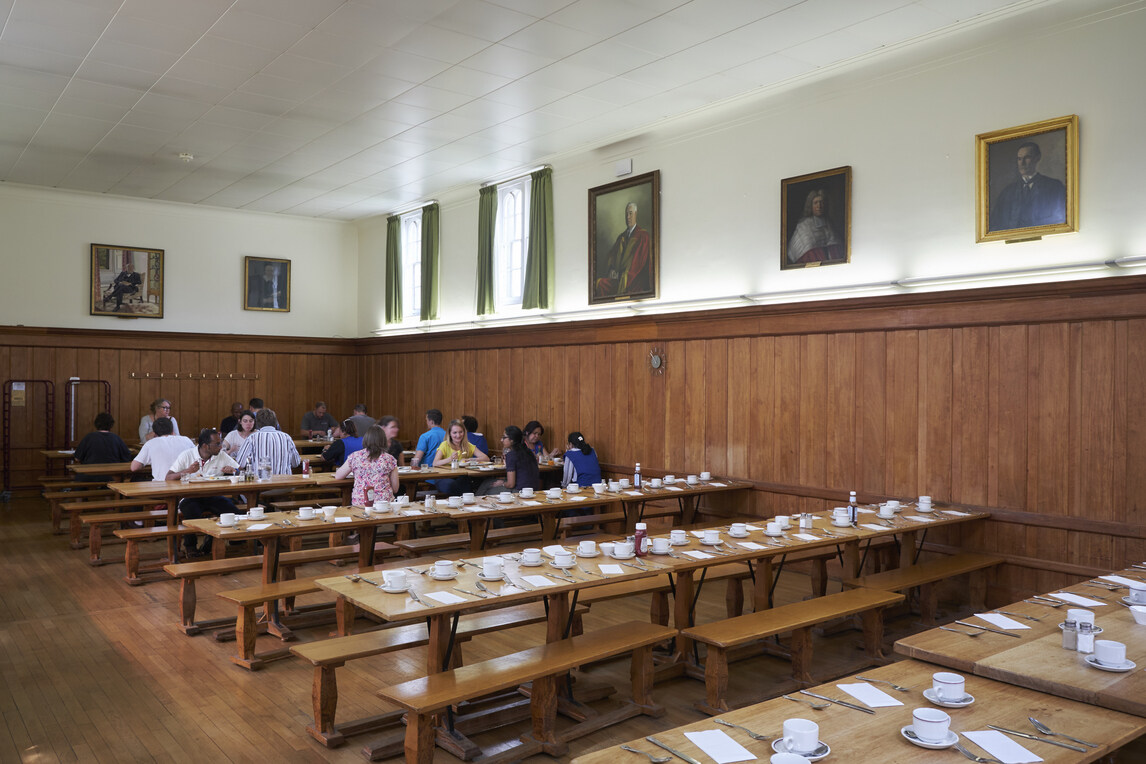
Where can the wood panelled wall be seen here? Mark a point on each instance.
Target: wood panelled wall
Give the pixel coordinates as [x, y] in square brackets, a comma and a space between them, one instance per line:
[292, 374]
[1029, 400]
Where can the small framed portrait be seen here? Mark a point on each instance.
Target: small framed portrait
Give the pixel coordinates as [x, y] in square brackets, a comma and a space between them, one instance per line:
[625, 239]
[1027, 180]
[126, 281]
[266, 284]
[815, 219]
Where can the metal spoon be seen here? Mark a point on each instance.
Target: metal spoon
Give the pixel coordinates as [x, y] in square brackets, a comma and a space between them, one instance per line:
[422, 572]
[1047, 731]
[892, 685]
[482, 588]
[654, 759]
[964, 633]
[816, 706]
[745, 730]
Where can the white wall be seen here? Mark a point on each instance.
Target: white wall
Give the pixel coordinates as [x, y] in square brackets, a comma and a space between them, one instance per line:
[905, 122]
[47, 236]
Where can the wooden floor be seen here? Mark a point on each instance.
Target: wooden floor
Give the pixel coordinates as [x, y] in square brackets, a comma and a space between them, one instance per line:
[96, 671]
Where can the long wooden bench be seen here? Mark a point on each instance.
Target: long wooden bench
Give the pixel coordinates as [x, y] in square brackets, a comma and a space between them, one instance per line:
[74, 509]
[134, 536]
[798, 618]
[446, 541]
[926, 574]
[72, 492]
[545, 667]
[328, 655]
[97, 520]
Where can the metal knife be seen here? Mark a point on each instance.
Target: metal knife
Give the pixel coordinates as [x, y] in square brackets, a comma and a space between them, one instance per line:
[1029, 736]
[839, 702]
[673, 751]
[988, 628]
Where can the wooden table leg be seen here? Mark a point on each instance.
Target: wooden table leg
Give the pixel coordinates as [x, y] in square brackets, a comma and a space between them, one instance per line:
[762, 587]
[172, 521]
[549, 526]
[852, 559]
[479, 529]
[687, 510]
[366, 546]
[558, 616]
[907, 549]
[682, 613]
[270, 575]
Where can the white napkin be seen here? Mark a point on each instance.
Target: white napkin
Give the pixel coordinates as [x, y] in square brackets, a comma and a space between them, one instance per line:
[698, 555]
[258, 526]
[1001, 747]
[752, 527]
[956, 513]
[864, 511]
[673, 488]
[919, 519]
[1076, 599]
[807, 537]
[873, 697]
[444, 597]
[1001, 621]
[411, 512]
[633, 493]
[554, 549]
[719, 746]
[576, 498]
[752, 545]
[718, 485]
[1122, 581]
[531, 503]
[538, 581]
[698, 534]
[343, 519]
[873, 527]
[612, 570]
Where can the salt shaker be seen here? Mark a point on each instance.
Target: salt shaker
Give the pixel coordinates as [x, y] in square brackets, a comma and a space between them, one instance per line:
[1086, 638]
[1069, 635]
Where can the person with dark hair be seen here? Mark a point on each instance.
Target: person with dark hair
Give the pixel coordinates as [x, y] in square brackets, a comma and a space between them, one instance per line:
[207, 459]
[127, 282]
[429, 441]
[269, 443]
[256, 405]
[520, 465]
[581, 464]
[1031, 199]
[815, 238]
[160, 407]
[473, 436]
[346, 442]
[234, 440]
[162, 450]
[101, 447]
[375, 471]
[231, 421]
[533, 432]
[389, 425]
[316, 423]
[362, 421]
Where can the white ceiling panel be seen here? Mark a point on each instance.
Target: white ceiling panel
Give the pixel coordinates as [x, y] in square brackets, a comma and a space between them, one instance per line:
[348, 108]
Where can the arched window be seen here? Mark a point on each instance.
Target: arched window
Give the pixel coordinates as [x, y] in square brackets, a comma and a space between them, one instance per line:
[412, 262]
[512, 236]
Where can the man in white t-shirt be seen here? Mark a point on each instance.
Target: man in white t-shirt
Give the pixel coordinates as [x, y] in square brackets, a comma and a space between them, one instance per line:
[161, 451]
[207, 459]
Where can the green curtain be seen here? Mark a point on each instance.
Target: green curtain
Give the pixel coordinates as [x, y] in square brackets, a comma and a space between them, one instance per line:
[394, 270]
[539, 272]
[429, 308]
[487, 228]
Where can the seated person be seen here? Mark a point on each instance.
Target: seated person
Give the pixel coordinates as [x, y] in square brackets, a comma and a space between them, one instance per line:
[209, 460]
[520, 466]
[456, 446]
[375, 471]
[316, 423]
[473, 436]
[162, 450]
[231, 421]
[533, 431]
[268, 443]
[389, 425]
[429, 441]
[101, 447]
[126, 283]
[581, 465]
[160, 407]
[234, 439]
[362, 420]
[346, 442]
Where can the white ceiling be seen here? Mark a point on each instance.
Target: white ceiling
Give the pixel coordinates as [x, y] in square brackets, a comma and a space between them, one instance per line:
[345, 110]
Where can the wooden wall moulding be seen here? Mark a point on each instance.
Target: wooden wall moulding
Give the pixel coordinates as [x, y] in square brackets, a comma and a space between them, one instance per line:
[201, 375]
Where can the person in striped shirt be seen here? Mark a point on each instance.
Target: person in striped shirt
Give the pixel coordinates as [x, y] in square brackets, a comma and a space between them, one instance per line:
[270, 443]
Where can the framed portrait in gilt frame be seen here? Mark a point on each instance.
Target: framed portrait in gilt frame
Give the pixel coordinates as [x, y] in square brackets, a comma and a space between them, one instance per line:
[126, 282]
[816, 219]
[266, 284]
[625, 239]
[1027, 181]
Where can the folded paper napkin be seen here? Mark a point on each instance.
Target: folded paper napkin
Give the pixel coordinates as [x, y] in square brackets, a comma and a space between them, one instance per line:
[1000, 746]
[1076, 599]
[539, 581]
[698, 555]
[873, 697]
[874, 527]
[610, 569]
[719, 747]
[1001, 621]
[808, 537]
[444, 597]
[752, 545]
[1121, 581]
[258, 526]
[554, 549]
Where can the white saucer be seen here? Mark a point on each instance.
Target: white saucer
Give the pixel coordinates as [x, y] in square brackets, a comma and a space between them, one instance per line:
[450, 577]
[572, 564]
[823, 750]
[484, 577]
[952, 739]
[923, 511]
[678, 543]
[589, 556]
[774, 535]
[839, 524]
[400, 590]
[225, 525]
[738, 535]
[1127, 666]
[471, 501]
[718, 542]
[505, 501]
[1129, 601]
[670, 482]
[1096, 630]
[651, 551]
[629, 556]
[929, 693]
[532, 564]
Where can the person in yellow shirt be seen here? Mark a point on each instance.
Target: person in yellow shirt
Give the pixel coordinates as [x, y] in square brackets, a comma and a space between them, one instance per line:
[456, 444]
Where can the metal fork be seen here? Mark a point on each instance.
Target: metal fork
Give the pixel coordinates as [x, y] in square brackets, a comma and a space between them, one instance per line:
[892, 685]
[417, 599]
[1018, 615]
[422, 572]
[973, 757]
[482, 588]
[817, 706]
[745, 730]
[964, 633]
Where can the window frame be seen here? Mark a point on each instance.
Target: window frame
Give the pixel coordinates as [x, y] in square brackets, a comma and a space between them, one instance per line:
[509, 264]
[411, 255]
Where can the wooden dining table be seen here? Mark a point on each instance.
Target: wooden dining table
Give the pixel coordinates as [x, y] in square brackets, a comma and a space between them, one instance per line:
[480, 515]
[1036, 659]
[854, 736]
[687, 495]
[114, 470]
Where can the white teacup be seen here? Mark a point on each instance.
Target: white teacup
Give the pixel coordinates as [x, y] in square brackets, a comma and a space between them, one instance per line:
[840, 513]
[573, 488]
[948, 686]
[678, 536]
[607, 548]
[930, 724]
[1138, 594]
[924, 499]
[443, 568]
[468, 498]
[1139, 613]
[255, 513]
[455, 501]
[227, 518]
[661, 545]
[656, 483]
[505, 496]
[692, 480]
[531, 555]
[491, 567]
[670, 479]
[563, 559]
[772, 528]
[396, 506]
[801, 735]
[785, 521]
[622, 549]
[893, 503]
[1109, 653]
[711, 536]
[600, 487]
[587, 548]
[527, 492]
[394, 579]
[404, 499]
[614, 485]
[304, 513]
[553, 493]
[739, 529]
[706, 476]
[328, 512]
[624, 482]
[368, 511]
[1080, 615]
[886, 512]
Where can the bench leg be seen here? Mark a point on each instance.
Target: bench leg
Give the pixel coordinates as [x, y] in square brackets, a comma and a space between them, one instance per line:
[246, 632]
[95, 543]
[74, 529]
[324, 697]
[543, 713]
[802, 656]
[659, 608]
[344, 614]
[873, 633]
[420, 738]
[642, 674]
[715, 681]
[188, 599]
[57, 516]
[131, 562]
[928, 604]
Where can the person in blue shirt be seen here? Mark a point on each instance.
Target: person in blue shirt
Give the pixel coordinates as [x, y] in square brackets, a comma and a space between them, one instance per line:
[581, 465]
[429, 441]
[346, 442]
[473, 436]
